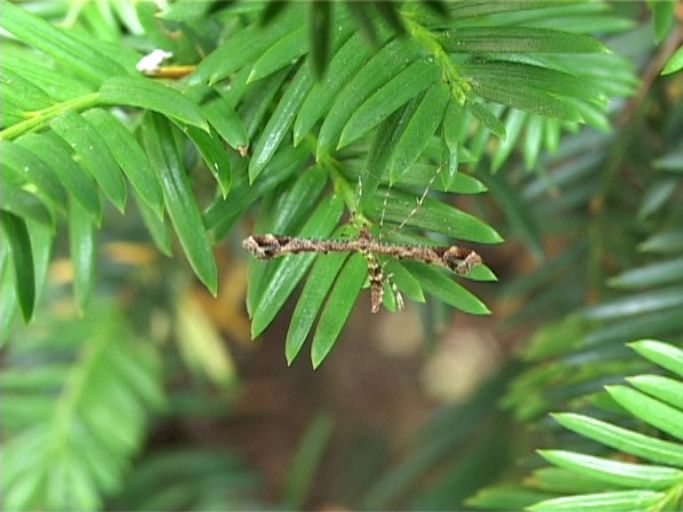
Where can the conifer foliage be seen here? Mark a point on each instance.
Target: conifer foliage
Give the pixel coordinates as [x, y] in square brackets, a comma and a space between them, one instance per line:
[340, 120]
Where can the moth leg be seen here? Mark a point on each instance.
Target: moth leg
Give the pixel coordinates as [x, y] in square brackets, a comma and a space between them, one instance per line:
[376, 276]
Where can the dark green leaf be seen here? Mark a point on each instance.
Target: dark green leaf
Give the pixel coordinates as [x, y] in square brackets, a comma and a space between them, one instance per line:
[291, 269]
[389, 11]
[8, 292]
[338, 307]
[419, 129]
[214, 156]
[363, 18]
[93, 155]
[517, 40]
[179, 199]
[283, 215]
[376, 72]
[648, 324]
[61, 46]
[157, 227]
[245, 46]
[343, 65]
[226, 122]
[22, 261]
[469, 8]
[317, 286]
[56, 154]
[319, 34]
[380, 152]
[221, 215]
[82, 249]
[671, 162]
[281, 54]
[419, 174]
[488, 119]
[530, 88]
[404, 86]
[130, 156]
[23, 204]
[280, 122]
[404, 280]
[442, 286]
[433, 215]
[259, 101]
[271, 11]
[150, 95]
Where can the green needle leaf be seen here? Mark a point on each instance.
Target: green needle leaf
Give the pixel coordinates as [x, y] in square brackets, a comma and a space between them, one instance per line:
[635, 443]
[433, 215]
[130, 156]
[281, 120]
[419, 129]
[291, 269]
[376, 72]
[619, 501]
[22, 261]
[345, 63]
[664, 388]
[283, 53]
[664, 354]
[214, 156]
[317, 286]
[56, 154]
[407, 84]
[180, 201]
[650, 275]
[442, 286]
[93, 154]
[618, 473]
[82, 58]
[338, 307]
[319, 34]
[147, 94]
[82, 249]
[650, 410]
[23, 204]
[226, 122]
[517, 40]
[35, 172]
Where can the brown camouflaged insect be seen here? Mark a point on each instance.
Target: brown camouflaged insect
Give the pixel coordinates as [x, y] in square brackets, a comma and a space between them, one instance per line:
[452, 257]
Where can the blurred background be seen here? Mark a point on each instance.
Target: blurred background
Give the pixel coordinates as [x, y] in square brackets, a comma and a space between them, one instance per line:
[416, 410]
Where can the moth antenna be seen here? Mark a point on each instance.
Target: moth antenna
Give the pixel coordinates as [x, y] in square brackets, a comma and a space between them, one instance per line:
[419, 200]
